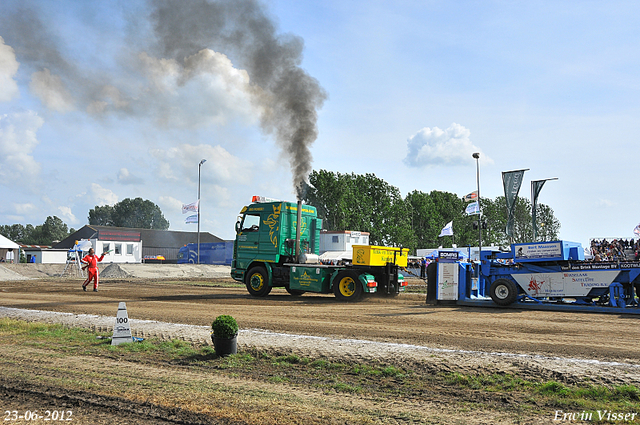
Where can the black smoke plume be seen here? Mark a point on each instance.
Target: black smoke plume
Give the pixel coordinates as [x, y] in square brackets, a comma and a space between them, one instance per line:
[288, 95]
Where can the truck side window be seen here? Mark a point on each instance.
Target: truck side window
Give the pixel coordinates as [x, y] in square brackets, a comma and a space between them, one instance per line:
[251, 223]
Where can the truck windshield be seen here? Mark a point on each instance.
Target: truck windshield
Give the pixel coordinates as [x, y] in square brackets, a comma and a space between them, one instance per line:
[251, 223]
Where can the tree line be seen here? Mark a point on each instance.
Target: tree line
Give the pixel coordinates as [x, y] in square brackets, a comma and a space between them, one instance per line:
[347, 202]
[369, 204]
[133, 213]
[53, 229]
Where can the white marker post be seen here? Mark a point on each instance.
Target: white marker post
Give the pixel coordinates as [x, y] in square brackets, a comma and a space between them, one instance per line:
[122, 329]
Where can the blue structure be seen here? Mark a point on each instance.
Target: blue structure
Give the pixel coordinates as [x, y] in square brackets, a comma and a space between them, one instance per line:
[219, 253]
[548, 276]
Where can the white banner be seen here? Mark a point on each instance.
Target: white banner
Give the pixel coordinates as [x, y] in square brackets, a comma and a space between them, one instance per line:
[548, 250]
[192, 219]
[447, 230]
[193, 207]
[473, 208]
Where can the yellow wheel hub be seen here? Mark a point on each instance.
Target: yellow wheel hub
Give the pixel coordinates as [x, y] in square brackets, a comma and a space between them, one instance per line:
[256, 281]
[347, 286]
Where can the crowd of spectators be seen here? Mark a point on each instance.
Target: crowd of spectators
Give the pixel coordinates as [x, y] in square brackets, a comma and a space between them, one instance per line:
[603, 250]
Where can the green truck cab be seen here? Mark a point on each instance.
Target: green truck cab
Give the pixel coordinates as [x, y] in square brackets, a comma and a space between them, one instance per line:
[265, 256]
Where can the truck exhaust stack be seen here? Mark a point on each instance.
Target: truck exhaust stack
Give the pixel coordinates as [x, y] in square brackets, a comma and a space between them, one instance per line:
[298, 231]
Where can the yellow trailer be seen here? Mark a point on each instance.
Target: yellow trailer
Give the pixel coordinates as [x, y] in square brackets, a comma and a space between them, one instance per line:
[373, 256]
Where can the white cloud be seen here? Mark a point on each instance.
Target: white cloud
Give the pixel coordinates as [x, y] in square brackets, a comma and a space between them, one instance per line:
[24, 209]
[170, 204]
[102, 196]
[125, 177]
[181, 163]
[607, 203]
[8, 68]
[67, 216]
[442, 147]
[207, 89]
[17, 142]
[51, 91]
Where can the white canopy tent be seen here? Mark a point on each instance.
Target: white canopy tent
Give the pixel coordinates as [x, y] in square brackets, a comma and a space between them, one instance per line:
[9, 250]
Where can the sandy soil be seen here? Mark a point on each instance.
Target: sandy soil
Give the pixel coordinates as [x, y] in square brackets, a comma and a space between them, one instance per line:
[401, 327]
[567, 347]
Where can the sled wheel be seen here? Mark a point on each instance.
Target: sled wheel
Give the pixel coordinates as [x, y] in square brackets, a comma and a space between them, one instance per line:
[503, 292]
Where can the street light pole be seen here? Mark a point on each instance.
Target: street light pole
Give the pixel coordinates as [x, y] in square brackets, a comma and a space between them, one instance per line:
[199, 165]
[477, 157]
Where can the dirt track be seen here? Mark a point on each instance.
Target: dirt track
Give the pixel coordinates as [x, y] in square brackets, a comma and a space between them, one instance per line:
[567, 343]
[405, 319]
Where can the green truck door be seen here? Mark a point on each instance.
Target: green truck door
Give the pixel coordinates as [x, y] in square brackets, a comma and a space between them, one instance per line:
[248, 241]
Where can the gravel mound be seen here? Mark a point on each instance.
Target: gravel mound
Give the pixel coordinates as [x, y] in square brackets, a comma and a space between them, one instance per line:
[113, 271]
[6, 274]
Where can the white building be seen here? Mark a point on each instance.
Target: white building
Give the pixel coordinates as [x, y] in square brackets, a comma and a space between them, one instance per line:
[44, 254]
[338, 246]
[341, 241]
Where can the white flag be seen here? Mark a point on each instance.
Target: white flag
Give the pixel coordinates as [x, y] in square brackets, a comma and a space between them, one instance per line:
[192, 207]
[447, 230]
[636, 231]
[473, 208]
[192, 219]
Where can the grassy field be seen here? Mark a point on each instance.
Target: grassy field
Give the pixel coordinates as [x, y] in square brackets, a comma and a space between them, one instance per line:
[269, 387]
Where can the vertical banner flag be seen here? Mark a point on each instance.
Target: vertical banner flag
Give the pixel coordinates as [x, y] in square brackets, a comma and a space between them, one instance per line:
[536, 187]
[192, 219]
[473, 196]
[473, 208]
[636, 231]
[447, 230]
[511, 180]
[192, 207]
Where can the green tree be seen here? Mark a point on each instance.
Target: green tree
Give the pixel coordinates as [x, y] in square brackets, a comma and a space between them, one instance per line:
[494, 212]
[14, 232]
[135, 213]
[361, 202]
[30, 235]
[430, 212]
[101, 216]
[53, 229]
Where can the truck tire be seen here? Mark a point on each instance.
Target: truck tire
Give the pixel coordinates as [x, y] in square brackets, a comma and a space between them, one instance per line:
[294, 292]
[347, 286]
[503, 292]
[257, 282]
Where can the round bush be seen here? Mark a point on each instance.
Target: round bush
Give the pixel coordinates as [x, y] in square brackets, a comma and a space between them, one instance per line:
[224, 327]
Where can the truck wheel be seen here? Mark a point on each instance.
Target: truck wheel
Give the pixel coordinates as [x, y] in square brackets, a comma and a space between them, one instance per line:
[257, 282]
[347, 286]
[294, 292]
[503, 292]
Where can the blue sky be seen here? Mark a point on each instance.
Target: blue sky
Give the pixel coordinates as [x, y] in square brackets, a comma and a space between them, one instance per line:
[94, 109]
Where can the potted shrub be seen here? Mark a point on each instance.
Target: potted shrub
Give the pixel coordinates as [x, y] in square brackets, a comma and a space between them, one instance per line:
[224, 334]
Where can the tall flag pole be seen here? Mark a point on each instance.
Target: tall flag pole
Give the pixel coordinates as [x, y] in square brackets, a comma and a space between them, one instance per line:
[199, 166]
[476, 156]
[536, 187]
[511, 180]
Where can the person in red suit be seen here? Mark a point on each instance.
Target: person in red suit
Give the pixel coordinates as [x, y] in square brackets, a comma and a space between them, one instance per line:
[91, 260]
